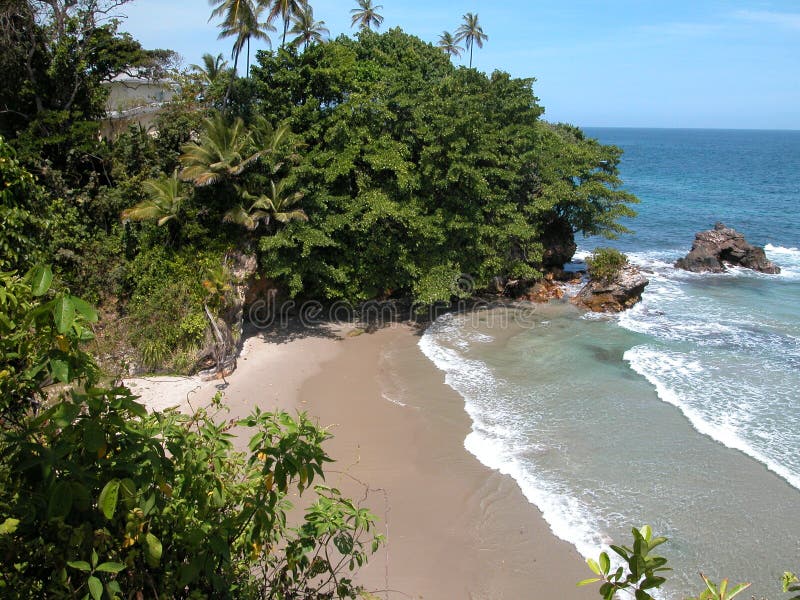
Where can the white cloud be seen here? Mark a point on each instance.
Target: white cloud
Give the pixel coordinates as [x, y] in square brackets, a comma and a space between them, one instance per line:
[780, 19]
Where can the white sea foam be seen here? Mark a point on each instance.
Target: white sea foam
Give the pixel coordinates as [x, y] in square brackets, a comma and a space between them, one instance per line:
[664, 370]
[494, 443]
[788, 259]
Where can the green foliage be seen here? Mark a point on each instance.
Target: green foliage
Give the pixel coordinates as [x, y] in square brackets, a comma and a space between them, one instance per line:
[41, 332]
[412, 167]
[791, 583]
[165, 312]
[721, 591]
[639, 572]
[23, 213]
[100, 499]
[605, 263]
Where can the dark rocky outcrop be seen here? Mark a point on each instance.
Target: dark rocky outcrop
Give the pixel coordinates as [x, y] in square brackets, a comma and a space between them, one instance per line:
[715, 248]
[558, 240]
[613, 295]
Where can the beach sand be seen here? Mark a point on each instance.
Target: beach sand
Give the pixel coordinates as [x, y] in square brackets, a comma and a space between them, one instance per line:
[455, 528]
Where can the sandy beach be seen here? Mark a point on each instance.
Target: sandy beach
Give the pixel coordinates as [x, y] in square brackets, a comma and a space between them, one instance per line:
[455, 528]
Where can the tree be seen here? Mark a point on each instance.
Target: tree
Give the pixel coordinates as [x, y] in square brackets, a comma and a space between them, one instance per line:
[211, 69]
[449, 45]
[241, 19]
[163, 204]
[276, 205]
[55, 55]
[366, 15]
[412, 167]
[227, 148]
[307, 29]
[470, 32]
[224, 151]
[285, 9]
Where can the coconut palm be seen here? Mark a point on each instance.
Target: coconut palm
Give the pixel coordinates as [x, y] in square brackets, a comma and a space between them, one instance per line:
[224, 151]
[471, 33]
[163, 203]
[366, 15]
[307, 29]
[242, 20]
[285, 9]
[211, 69]
[275, 205]
[449, 45]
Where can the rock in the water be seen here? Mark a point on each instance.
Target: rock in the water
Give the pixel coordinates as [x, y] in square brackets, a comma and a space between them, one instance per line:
[715, 248]
[615, 295]
[544, 290]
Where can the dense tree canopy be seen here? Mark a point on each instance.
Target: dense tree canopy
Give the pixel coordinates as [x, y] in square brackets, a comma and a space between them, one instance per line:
[412, 166]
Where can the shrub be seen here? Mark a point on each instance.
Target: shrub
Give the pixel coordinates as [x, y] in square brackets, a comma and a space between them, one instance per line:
[101, 500]
[605, 263]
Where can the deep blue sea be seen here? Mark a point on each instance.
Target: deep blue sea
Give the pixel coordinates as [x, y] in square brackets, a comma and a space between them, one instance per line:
[683, 412]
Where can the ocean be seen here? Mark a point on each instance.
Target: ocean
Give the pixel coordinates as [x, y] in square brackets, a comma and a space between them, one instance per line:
[681, 413]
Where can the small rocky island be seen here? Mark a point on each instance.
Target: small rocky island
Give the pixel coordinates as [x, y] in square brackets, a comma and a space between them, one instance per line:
[613, 294]
[712, 250]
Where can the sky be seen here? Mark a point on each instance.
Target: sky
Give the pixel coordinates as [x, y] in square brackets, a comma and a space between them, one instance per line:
[731, 64]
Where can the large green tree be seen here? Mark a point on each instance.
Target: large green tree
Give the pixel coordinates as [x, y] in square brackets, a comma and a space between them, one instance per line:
[416, 171]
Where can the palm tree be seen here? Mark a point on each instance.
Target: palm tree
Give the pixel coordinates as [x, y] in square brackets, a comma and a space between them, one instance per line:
[366, 15]
[211, 69]
[471, 33]
[242, 21]
[276, 205]
[224, 151]
[163, 203]
[307, 29]
[449, 45]
[285, 9]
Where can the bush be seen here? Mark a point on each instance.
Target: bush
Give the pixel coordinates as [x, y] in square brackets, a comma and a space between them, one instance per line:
[101, 500]
[605, 263]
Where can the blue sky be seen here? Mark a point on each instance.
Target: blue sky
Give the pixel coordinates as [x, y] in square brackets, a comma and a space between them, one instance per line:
[619, 63]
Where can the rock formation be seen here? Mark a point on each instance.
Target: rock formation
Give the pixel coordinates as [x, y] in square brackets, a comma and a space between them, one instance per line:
[715, 248]
[613, 295]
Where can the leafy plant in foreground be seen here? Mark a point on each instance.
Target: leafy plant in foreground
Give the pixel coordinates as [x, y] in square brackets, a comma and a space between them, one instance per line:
[101, 499]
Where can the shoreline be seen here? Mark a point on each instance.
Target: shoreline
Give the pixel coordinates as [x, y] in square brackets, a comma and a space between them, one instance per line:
[454, 527]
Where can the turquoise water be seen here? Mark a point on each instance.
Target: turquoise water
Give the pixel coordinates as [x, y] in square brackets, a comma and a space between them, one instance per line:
[681, 413]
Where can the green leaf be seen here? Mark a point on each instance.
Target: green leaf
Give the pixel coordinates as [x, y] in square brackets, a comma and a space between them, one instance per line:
[59, 369]
[108, 498]
[110, 567]
[84, 309]
[605, 563]
[152, 550]
[60, 501]
[41, 278]
[95, 588]
[594, 566]
[93, 437]
[81, 565]
[63, 314]
[9, 526]
[588, 581]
